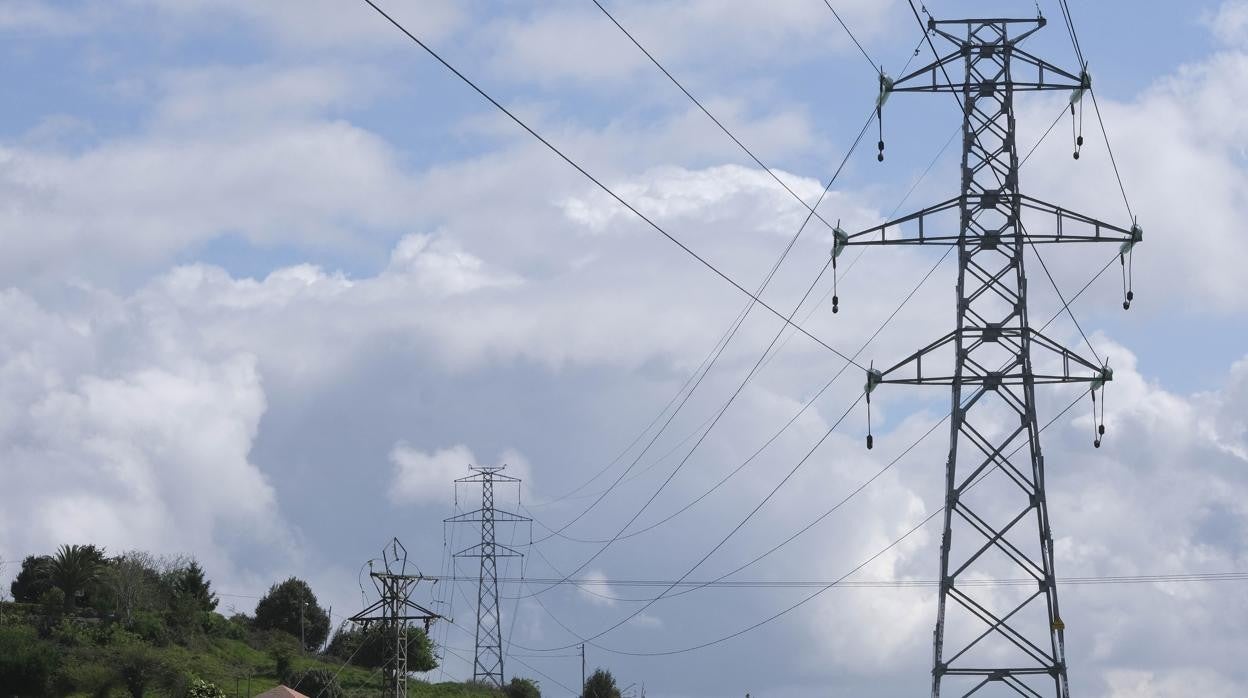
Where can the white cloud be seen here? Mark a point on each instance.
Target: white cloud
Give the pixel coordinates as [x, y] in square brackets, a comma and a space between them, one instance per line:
[576, 42]
[1192, 682]
[1230, 23]
[146, 448]
[597, 591]
[421, 476]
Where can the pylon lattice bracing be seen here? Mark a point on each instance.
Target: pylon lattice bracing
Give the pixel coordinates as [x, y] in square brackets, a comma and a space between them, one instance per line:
[990, 642]
[393, 612]
[487, 663]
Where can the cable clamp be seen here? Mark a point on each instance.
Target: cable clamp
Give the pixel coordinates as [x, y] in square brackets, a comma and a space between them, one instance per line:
[886, 88]
[839, 240]
[874, 378]
[1107, 375]
[1137, 236]
[1085, 84]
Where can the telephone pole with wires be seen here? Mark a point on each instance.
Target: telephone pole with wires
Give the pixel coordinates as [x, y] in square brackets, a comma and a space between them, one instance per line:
[996, 520]
[487, 663]
[393, 612]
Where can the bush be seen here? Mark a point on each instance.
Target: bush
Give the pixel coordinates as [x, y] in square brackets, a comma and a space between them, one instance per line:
[371, 648]
[601, 685]
[282, 649]
[151, 627]
[217, 625]
[200, 688]
[86, 675]
[52, 601]
[316, 682]
[522, 688]
[26, 662]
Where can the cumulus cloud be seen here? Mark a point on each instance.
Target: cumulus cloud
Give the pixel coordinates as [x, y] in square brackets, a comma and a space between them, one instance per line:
[184, 406]
[1230, 22]
[424, 476]
[146, 448]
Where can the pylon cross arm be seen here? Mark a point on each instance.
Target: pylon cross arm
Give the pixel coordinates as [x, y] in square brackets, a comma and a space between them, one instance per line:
[492, 550]
[1056, 364]
[497, 515]
[927, 227]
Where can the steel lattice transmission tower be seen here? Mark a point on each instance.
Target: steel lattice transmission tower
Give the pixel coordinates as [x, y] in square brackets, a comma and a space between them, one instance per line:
[488, 660]
[993, 640]
[393, 611]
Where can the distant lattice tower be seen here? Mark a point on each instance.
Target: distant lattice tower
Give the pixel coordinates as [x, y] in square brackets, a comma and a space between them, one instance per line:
[488, 659]
[393, 611]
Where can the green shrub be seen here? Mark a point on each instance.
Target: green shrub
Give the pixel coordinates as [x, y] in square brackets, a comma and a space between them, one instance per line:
[316, 682]
[522, 688]
[150, 627]
[26, 662]
[200, 688]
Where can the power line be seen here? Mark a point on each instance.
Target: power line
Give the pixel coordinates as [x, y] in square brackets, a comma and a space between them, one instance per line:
[739, 389]
[598, 183]
[821, 590]
[806, 405]
[875, 67]
[834, 508]
[1074, 38]
[1113, 161]
[864, 584]
[1083, 64]
[708, 113]
[769, 171]
[767, 358]
[734, 530]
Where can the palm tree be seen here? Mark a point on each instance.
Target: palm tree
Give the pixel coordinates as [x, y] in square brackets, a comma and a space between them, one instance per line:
[74, 569]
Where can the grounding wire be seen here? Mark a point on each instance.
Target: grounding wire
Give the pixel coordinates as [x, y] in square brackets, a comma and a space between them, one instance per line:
[597, 182]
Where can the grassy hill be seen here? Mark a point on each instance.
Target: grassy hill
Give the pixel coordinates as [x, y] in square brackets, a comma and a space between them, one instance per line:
[88, 657]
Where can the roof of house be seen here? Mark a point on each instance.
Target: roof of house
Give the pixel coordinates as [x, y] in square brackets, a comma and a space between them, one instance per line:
[281, 692]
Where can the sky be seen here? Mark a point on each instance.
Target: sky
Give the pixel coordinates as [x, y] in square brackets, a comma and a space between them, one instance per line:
[272, 278]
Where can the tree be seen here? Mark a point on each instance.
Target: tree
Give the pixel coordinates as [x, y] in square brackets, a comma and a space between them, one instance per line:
[281, 609]
[601, 685]
[139, 665]
[131, 583]
[371, 648]
[32, 580]
[522, 688]
[190, 583]
[74, 570]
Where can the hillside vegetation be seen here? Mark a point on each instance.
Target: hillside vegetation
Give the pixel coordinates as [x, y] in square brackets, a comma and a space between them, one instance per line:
[83, 623]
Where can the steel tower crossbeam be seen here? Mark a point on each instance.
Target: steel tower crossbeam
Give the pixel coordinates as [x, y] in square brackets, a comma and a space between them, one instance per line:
[488, 658]
[996, 521]
[393, 611]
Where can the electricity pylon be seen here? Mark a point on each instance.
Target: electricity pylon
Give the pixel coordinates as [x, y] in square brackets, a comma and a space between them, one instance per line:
[393, 611]
[487, 663]
[999, 640]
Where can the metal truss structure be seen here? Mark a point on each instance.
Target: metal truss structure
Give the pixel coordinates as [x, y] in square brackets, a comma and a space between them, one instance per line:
[393, 611]
[993, 641]
[488, 658]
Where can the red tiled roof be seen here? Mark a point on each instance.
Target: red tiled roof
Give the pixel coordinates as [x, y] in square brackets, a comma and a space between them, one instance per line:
[281, 692]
